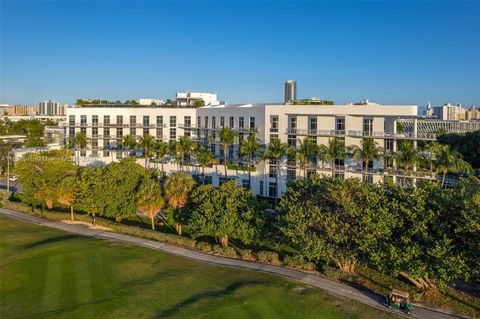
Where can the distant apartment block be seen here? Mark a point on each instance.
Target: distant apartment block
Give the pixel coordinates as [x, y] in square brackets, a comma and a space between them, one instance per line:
[17, 110]
[446, 112]
[188, 99]
[151, 102]
[290, 93]
[51, 108]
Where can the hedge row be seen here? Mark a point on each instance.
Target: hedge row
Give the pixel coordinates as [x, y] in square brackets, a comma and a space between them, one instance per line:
[267, 257]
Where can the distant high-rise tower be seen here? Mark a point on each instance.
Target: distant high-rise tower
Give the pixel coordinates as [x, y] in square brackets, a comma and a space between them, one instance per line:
[290, 91]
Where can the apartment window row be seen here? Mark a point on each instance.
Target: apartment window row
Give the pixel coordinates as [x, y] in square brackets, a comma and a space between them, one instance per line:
[221, 122]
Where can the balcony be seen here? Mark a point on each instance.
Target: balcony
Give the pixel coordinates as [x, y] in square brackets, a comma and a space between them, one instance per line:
[303, 132]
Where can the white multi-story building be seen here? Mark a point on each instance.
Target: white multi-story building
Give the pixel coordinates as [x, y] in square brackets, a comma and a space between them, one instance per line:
[188, 99]
[51, 108]
[449, 112]
[151, 102]
[105, 127]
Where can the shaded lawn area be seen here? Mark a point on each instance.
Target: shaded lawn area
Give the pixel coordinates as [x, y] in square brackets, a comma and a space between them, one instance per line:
[45, 273]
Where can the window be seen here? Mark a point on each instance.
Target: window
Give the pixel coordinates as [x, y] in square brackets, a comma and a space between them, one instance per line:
[389, 144]
[173, 134]
[83, 130]
[71, 120]
[106, 120]
[340, 124]
[273, 137]
[146, 131]
[173, 121]
[245, 184]
[340, 175]
[119, 120]
[133, 120]
[94, 153]
[214, 122]
[72, 131]
[274, 123]
[119, 132]
[252, 123]
[241, 122]
[222, 121]
[159, 120]
[272, 189]
[94, 120]
[261, 188]
[94, 143]
[106, 144]
[187, 120]
[146, 120]
[133, 132]
[199, 121]
[159, 134]
[94, 131]
[292, 140]
[271, 169]
[292, 122]
[206, 121]
[367, 126]
[231, 121]
[312, 125]
[83, 120]
[106, 132]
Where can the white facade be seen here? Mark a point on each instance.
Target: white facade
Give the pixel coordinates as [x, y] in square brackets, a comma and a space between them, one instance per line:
[189, 98]
[51, 108]
[151, 101]
[105, 127]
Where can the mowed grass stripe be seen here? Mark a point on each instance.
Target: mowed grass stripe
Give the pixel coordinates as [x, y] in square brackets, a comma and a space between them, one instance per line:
[83, 283]
[53, 283]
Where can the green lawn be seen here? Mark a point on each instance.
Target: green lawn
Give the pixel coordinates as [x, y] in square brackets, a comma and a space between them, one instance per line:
[45, 273]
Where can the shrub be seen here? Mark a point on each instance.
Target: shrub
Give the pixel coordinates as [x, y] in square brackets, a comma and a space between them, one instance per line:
[298, 262]
[268, 257]
[217, 249]
[204, 246]
[229, 252]
[247, 254]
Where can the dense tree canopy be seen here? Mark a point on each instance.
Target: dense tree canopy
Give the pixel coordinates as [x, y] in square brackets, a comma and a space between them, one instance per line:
[467, 144]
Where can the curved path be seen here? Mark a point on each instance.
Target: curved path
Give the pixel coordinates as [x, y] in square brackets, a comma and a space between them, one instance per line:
[363, 296]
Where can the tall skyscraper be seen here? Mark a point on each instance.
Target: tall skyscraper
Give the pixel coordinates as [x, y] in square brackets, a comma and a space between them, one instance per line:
[290, 91]
[51, 108]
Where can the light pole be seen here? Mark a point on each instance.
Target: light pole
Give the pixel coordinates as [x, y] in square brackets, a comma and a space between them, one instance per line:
[8, 172]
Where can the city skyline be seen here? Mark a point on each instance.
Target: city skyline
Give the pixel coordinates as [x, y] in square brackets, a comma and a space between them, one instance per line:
[336, 51]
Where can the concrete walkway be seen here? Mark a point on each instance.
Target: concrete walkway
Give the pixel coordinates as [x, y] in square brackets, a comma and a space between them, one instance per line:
[363, 296]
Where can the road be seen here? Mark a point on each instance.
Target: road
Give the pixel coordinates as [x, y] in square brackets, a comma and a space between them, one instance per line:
[363, 296]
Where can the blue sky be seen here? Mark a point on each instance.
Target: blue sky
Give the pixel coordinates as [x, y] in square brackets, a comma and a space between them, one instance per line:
[390, 52]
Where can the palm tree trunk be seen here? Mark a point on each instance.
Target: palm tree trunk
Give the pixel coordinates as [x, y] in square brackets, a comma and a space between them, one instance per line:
[153, 223]
[404, 177]
[277, 172]
[162, 166]
[225, 160]
[249, 172]
[224, 240]
[203, 174]
[71, 213]
[443, 178]
[333, 167]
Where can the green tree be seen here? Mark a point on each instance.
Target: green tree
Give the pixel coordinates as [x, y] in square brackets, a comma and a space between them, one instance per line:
[199, 103]
[276, 150]
[225, 212]
[91, 196]
[79, 141]
[66, 192]
[128, 143]
[250, 148]
[34, 141]
[333, 151]
[368, 152]
[150, 200]
[227, 138]
[406, 157]
[333, 220]
[305, 153]
[146, 142]
[448, 160]
[162, 149]
[204, 158]
[183, 148]
[177, 191]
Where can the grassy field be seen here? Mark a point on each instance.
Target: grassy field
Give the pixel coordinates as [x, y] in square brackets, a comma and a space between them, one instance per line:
[45, 273]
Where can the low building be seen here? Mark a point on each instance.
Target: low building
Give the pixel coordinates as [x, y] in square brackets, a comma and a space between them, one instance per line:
[151, 102]
[192, 99]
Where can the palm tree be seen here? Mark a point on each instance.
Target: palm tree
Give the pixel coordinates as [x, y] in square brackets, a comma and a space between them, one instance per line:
[448, 160]
[177, 189]
[335, 150]
[128, 142]
[204, 158]
[406, 157]
[276, 150]
[162, 149]
[183, 147]
[305, 153]
[369, 151]
[250, 148]
[79, 141]
[227, 138]
[146, 143]
[428, 156]
[66, 191]
[150, 200]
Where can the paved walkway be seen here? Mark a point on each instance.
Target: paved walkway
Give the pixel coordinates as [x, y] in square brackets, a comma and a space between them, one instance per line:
[363, 296]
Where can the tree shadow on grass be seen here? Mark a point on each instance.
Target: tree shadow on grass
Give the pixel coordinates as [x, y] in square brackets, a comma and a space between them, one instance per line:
[208, 294]
[50, 240]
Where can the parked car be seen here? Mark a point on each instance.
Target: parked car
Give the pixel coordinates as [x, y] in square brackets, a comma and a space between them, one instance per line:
[13, 178]
[399, 300]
